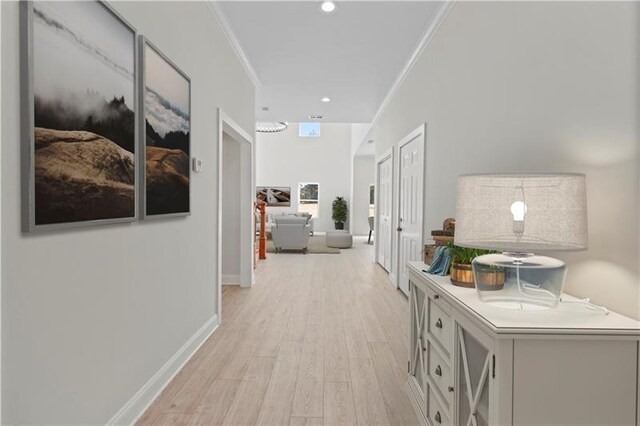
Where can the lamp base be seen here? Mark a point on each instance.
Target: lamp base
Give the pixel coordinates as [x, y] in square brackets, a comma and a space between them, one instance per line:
[530, 282]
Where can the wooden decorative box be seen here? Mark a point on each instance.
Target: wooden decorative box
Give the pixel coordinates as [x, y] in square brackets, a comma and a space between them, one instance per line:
[429, 251]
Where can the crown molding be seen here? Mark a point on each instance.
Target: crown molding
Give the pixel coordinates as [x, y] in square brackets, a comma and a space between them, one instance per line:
[221, 18]
[417, 53]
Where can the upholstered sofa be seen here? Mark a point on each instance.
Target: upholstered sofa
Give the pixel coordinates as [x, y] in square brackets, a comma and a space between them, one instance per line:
[309, 220]
[290, 232]
[271, 220]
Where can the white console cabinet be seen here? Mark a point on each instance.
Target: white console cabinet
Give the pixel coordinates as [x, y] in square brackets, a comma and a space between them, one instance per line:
[472, 364]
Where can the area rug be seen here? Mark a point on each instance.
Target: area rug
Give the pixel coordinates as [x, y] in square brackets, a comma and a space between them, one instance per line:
[317, 245]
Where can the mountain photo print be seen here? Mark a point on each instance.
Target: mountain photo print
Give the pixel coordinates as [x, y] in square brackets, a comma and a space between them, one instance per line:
[83, 135]
[167, 129]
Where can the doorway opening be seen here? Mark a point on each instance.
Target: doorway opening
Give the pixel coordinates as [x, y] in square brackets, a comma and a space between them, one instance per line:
[235, 206]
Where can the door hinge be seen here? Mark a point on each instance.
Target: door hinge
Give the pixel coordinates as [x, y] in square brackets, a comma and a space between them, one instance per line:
[408, 366]
[494, 367]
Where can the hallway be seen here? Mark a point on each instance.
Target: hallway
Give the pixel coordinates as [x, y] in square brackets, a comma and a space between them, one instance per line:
[320, 339]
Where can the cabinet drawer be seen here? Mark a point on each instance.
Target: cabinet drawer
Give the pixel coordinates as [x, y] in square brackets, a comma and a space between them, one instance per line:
[438, 416]
[441, 327]
[440, 374]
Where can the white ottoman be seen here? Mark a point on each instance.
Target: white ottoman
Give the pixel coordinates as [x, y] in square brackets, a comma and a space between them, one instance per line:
[339, 239]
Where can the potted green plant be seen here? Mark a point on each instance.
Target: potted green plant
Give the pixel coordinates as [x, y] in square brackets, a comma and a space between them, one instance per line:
[339, 212]
[462, 272]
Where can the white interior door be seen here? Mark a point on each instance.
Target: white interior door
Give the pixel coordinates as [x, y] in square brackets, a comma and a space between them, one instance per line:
[385, 197]
[411, 171]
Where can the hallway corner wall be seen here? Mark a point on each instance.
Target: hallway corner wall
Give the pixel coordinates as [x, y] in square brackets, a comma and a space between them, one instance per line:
[364, 175]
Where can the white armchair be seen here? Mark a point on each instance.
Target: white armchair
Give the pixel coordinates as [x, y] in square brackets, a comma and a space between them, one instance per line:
[290, 232]
[309, 220]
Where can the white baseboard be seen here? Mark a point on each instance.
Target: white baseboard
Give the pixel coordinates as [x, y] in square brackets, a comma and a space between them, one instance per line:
[230, 279]
[139, 403]
[393, 280]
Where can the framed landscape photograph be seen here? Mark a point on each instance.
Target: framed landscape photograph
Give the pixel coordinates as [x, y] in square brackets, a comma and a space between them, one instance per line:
[274, 196]
[79, 116]
[166, 135]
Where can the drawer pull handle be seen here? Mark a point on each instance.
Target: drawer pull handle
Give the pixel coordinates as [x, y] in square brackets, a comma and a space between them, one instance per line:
[450, 388]
[439, 323]
[438, 371]
[438, 417]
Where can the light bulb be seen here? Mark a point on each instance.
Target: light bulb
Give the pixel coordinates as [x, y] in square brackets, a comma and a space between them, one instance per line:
[328, 6]
[518, 210]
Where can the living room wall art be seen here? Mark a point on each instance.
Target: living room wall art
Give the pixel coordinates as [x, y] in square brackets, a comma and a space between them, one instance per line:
[274, 196]
[78, 107]
[166, 135]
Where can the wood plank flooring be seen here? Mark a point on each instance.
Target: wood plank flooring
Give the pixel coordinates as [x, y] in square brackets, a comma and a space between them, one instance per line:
[321, 339]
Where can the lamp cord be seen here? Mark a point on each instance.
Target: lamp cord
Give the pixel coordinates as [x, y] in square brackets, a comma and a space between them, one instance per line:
[584, 302]
[587, 304]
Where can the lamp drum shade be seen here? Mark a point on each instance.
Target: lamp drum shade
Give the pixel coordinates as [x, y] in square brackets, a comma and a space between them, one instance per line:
[522, 212]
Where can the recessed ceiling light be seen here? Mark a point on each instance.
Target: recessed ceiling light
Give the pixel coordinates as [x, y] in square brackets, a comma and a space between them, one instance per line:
[328, 6]
[325, 99]
[265, 108]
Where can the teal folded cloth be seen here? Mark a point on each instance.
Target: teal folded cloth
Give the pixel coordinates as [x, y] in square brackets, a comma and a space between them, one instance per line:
[441, 261]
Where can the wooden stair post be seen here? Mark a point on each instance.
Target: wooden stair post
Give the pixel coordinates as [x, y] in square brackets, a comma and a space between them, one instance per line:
[261, 208]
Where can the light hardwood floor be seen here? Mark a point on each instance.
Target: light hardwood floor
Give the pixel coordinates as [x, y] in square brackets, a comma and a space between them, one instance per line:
[320, 339]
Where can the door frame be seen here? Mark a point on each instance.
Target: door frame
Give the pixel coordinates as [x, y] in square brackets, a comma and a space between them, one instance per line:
[387, 155]
[247, 169]
[421, 133]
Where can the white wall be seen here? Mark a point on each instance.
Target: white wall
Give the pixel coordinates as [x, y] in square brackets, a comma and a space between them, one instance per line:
[231, 178]
[536, 86]
[364, 175]
[90, 315]
[284, 159]
[359, 131]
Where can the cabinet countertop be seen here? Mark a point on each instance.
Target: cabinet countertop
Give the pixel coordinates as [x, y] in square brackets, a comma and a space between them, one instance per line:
[564, 319]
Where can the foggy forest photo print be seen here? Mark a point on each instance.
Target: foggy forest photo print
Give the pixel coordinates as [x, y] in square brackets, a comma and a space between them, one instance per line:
[84, 121]
[167, 125]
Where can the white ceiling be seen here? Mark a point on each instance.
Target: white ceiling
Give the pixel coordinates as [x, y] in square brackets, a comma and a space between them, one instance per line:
[301, 55]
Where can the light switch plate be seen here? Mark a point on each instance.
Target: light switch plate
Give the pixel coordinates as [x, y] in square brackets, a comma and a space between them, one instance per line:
[198, 165]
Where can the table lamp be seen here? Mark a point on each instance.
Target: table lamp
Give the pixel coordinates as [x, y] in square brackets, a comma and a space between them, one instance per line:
[520, 214]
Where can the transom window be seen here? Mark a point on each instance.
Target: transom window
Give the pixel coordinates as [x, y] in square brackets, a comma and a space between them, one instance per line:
[309, 130]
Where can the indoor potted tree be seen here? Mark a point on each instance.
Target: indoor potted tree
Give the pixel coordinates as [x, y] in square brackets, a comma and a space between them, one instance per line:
[462, 272]
[339, 212]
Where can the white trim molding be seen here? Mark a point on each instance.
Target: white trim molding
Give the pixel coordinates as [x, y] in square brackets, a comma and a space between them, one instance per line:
[230, 279]
[393, 279]
[220, 16]
[140, 402]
